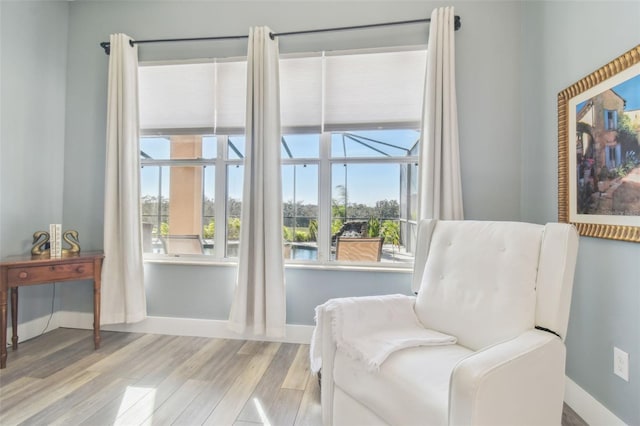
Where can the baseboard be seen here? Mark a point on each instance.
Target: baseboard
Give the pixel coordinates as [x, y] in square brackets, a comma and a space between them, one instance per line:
[183, 327]
[34, 328]
[587, 407]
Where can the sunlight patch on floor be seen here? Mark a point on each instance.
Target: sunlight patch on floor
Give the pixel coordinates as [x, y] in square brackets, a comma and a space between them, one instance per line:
[132, 396]
[261, 413]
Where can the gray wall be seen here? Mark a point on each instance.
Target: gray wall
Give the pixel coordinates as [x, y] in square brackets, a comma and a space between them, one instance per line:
[33, 50]
[488, 94]
[562, 43]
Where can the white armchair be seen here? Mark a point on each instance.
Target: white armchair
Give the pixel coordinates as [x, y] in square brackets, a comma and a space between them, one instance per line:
[503, 290]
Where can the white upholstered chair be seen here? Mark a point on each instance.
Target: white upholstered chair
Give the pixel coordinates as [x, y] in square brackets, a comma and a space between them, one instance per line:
[503, 289]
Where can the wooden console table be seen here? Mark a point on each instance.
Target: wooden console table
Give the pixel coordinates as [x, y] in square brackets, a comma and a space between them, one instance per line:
[26, 270]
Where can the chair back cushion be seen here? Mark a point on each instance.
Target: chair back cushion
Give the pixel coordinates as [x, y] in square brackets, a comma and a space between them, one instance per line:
[479, 280]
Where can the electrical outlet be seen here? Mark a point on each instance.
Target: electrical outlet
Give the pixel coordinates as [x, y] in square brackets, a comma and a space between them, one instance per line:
[621, 363]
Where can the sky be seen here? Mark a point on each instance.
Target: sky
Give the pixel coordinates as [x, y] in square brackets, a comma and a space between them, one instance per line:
[629, 90]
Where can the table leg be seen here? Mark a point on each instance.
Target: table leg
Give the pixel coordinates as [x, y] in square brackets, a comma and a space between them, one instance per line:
[3, 317]
[97, 268]
[14, 318]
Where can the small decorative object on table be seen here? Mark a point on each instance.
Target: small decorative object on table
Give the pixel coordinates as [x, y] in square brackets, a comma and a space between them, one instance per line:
[40, 241]
[55, 247]
[71, 238]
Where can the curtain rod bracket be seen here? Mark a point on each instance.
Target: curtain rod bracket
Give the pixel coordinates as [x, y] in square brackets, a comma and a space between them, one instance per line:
[107, 46]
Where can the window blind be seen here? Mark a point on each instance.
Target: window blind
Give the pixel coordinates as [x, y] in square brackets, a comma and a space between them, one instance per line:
[379, 89]
[334, 91]
[193, 96]
[301, 94]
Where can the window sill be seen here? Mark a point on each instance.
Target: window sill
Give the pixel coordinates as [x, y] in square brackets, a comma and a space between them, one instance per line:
[194, 260]
[333, 266]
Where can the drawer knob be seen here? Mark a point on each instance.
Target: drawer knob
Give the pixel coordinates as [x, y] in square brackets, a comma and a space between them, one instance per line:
[80, 269]
[22, 275]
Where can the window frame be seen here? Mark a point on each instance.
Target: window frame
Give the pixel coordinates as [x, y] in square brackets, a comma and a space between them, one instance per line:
[324, 164]
[220, 164]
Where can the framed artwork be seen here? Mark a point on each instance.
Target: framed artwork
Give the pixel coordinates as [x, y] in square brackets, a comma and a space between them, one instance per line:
[599, 151]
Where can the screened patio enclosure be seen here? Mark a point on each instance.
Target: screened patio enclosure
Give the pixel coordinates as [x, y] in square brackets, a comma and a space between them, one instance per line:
[372, 186]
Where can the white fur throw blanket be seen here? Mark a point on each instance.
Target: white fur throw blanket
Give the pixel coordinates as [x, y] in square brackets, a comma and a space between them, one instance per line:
[371, 328]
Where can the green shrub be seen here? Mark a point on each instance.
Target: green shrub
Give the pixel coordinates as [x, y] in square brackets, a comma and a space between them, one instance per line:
[301, 236]
[287, 233]
[233, 228]
[390, 230]
[336, 225]
[209, 230]
[313, 230]
[373, 227]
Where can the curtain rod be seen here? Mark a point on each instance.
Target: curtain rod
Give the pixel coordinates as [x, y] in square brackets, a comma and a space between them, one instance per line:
[107, 46]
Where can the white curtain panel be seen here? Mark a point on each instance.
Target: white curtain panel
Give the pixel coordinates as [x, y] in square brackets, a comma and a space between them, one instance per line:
[123, 296]
[440, 188]
[259, 305]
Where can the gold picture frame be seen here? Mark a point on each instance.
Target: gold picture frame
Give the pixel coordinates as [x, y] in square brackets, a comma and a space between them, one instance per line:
[598, 158]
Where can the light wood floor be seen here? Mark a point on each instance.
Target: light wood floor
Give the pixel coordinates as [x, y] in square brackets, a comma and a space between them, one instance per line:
[144, 379]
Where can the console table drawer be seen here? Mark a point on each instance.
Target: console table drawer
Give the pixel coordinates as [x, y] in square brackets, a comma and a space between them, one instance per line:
[43, 274]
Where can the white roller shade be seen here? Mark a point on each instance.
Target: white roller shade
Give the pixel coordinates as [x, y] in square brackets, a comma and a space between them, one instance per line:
[301, 93]
[348, 90]
[370, 88]
[231, 96]
[201, 95]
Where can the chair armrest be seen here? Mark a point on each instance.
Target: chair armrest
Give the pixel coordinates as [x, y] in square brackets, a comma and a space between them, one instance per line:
[326, 338]
[352, 319]
[520, 381]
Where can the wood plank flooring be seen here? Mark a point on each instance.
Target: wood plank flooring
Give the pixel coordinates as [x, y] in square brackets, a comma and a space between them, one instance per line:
[144, 379]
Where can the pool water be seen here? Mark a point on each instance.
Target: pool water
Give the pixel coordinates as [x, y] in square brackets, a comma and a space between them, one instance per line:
[304, 253]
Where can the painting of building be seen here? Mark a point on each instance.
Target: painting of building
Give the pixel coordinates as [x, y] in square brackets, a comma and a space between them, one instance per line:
[597, 130]
[608, 153]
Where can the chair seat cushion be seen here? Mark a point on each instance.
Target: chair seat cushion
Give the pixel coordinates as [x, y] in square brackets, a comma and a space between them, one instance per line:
[410, 388]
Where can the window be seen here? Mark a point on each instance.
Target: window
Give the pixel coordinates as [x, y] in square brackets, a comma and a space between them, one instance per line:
[369, 185]
[610, 119]
[370, 177]
[234, 178]
[179, 193]
[300, 209]
[349, 149]
[192, 150]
